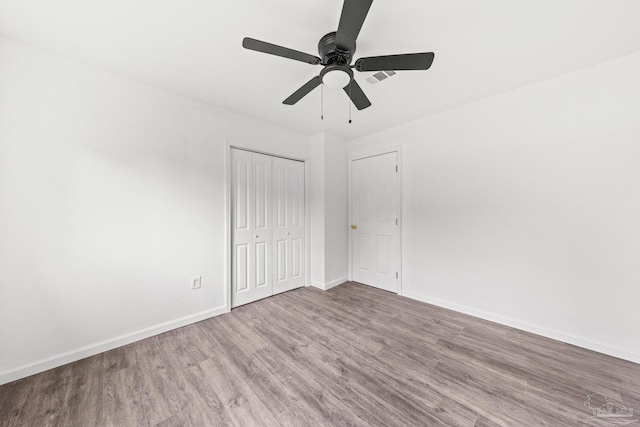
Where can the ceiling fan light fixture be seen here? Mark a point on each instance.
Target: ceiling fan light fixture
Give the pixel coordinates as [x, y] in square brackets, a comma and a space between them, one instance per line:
[336, 78]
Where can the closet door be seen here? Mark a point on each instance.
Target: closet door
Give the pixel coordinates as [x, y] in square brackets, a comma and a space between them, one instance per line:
[289, 220]
[251, 237]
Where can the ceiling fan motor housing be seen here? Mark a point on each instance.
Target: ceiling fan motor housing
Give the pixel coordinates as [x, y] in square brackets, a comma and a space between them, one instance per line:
[331, 54]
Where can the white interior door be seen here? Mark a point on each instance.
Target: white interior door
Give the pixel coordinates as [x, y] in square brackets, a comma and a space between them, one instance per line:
[288, 232]
[251, 199]
[374, 216]
[268, 226]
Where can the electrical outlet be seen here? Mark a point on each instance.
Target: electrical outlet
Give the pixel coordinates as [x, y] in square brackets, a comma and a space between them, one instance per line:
[196, 282]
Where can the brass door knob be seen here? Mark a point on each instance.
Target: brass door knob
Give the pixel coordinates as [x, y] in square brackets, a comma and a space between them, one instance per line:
[353, 226]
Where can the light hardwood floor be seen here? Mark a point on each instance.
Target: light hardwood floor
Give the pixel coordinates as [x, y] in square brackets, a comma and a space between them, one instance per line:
[353, 355]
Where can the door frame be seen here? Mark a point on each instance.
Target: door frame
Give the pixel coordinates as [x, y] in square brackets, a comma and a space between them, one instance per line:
[358, 155]
[259, 148]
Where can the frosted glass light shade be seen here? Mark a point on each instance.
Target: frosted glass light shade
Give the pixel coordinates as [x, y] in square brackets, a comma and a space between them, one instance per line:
[336, 79]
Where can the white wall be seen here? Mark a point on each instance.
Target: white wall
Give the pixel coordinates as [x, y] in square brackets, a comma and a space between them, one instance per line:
[529, 207]
[329, 211]
[336, 211]
[317, 211]
[112, 196]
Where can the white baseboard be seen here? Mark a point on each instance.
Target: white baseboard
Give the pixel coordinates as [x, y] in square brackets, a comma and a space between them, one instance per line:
[555, 334]
[329, 285]
[335, 283]
[110, 344]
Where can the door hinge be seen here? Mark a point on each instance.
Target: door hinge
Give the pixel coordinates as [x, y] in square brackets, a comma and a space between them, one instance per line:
[396, 274]
[396, 168]
[396, 221]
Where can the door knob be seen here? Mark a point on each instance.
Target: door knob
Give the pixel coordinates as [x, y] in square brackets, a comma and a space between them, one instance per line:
[256, 236]
[287, 233]
[354, 227]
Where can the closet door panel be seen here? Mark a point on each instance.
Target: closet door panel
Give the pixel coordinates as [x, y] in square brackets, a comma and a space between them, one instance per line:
[242, 277]
[297, 193]
[262, 230]
[252, 255]
[281, 238]
[296, 225]
[288, 178]
[296, 258]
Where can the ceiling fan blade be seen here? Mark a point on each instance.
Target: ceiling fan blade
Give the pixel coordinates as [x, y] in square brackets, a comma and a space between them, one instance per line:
[359, 99]
[409, 61]
[353, 14]
[273, 49]
[303, 91]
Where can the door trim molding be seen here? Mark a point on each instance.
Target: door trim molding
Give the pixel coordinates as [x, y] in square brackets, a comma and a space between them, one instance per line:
[258, 148]
[358, 155]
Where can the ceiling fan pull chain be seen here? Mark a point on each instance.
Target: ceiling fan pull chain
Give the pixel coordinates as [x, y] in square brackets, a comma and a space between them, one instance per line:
[349, 100]
[322, 101]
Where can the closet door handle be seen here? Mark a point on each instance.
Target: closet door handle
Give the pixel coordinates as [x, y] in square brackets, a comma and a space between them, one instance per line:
[287, 233]
[256, 236]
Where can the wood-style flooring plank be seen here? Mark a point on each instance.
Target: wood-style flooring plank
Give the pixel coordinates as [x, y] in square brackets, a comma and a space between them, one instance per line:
[122, 398]
[162, 392]
[241, 402]
[45, 406]
[313, 397]
[269, 390]
[485, 422]
[83, 398]
[14, 399]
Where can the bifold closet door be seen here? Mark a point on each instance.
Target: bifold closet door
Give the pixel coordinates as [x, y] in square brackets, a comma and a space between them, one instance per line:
[251, 237]
[289, 220]
[268, 224]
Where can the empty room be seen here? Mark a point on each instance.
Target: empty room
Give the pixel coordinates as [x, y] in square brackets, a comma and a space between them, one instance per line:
[345, 212]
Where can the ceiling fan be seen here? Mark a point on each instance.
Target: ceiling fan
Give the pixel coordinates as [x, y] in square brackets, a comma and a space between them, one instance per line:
[336, 51]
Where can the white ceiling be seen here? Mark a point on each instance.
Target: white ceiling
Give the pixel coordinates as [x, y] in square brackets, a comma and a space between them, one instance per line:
[193, 47]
